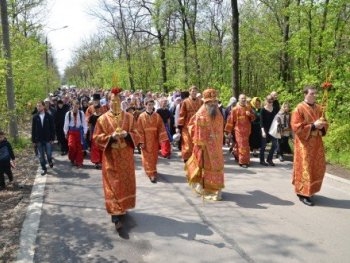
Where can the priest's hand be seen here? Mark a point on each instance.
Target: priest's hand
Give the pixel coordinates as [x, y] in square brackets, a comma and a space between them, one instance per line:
[319, 124]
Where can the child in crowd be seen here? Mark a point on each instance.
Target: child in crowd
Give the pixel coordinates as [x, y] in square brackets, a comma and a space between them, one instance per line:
[7, 159]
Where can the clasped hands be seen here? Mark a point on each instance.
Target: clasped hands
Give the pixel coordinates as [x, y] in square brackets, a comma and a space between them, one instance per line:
[118, 135]
[319, 124]
[228, 135]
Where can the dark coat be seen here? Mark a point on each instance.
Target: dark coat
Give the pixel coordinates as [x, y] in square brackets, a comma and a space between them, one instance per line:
[60, 116]
[6, 153]
[43, 133]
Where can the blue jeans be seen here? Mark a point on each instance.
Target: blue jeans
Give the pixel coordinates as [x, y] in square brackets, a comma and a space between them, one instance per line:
[45, 150]
[263, 146]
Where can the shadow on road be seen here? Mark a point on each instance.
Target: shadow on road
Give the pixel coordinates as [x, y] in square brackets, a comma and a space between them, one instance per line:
[70, 239]
[329, 202]
[170, 227]
[255, 199]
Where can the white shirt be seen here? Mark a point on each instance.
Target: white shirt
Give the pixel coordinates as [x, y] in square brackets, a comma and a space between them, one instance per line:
[42, 115]
[71, 123]
[177, 114]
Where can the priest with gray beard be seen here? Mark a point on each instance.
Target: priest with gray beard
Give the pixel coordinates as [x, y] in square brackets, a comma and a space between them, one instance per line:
[205, 168]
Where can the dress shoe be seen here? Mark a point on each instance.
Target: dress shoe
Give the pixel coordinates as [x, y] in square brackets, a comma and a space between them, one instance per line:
[271, 163]
[51, 164]
[153, 180]
[123, 233]
[118, 225]
[264, 163]
[305, 200]
[44, 172]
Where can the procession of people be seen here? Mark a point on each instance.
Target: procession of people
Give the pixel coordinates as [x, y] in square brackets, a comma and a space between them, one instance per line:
[110, 127]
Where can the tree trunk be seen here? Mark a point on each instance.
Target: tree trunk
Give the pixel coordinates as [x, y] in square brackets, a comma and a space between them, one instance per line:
[310, 36]
[9, 76]
[285, 74]
[163, 62]
[235, 51]
[320, 39]
[185, 52]
[186, 13]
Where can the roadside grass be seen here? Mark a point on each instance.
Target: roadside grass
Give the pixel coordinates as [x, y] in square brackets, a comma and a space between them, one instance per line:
[21, 144]
[337, 144]
[339, 158]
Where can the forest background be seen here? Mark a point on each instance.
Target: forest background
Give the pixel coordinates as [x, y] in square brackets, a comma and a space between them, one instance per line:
[167, 45]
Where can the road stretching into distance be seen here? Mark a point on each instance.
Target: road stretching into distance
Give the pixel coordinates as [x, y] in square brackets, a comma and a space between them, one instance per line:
[259, 220]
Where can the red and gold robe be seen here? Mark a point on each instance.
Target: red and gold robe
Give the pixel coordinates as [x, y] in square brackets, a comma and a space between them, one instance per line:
[206, 164]
[91, 110]
[118, 168]
[241, 123]
[152, 133]
[309, 156]
[188, 108]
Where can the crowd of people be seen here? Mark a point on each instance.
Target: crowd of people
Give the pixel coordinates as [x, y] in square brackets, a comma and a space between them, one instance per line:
[111, 126]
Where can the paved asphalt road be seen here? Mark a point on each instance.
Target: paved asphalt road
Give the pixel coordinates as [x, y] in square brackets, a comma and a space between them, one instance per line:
[260, 219]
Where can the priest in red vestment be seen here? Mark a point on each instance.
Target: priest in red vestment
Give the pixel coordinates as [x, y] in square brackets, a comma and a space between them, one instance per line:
[205, 168]
[309, 165]
[152, 133]
[116, 135]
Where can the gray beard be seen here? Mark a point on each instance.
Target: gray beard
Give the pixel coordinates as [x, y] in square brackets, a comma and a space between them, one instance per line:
[212, 111]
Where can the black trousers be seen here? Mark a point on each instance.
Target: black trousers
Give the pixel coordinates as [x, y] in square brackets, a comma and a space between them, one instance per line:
[5, 169]
[62, 141]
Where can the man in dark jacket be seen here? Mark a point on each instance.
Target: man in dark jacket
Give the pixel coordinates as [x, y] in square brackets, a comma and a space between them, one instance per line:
[61, 111]
[43, 135]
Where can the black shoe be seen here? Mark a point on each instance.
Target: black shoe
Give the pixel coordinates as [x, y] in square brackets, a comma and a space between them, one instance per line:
[51, 164]
[271, 163]
[264, 163]
[281, 158]
[305, 200]
[255, 155]
[63, 153]
[116, 221]
[123, 233]
[243, 165]
[118, 225]
[153, 180]
[44, 172]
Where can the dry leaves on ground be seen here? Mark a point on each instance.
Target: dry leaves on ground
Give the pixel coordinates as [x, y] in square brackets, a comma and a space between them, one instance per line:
[14, 202]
